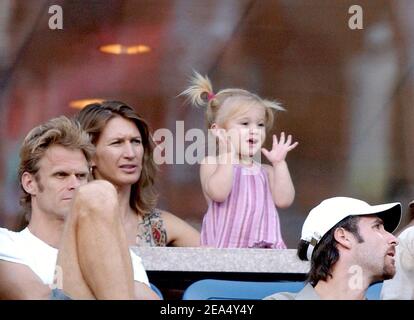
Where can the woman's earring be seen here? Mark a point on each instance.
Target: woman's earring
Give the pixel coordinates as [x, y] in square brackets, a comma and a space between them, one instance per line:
[91, 171]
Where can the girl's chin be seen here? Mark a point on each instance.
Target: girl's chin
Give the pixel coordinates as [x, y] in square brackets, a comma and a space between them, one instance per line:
[247, 158]
[249, 154]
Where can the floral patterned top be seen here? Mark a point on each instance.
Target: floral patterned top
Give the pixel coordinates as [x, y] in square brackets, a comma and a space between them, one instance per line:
[151, 231]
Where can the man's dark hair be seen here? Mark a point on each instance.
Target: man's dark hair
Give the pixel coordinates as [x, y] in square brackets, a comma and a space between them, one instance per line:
[326, 253]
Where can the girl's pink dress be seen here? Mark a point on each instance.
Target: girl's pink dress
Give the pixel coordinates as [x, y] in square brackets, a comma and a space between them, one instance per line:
[247, 218]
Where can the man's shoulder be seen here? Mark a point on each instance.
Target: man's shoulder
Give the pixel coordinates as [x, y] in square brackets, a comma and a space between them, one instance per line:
[407, 234]
[7, 236]
[307, 293]
[282, 296]
[10, 245]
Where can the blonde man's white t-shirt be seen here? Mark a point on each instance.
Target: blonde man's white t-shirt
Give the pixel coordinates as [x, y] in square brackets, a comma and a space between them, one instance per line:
[25, 248]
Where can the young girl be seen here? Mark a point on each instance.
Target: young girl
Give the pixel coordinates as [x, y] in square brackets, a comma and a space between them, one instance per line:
[242, 193]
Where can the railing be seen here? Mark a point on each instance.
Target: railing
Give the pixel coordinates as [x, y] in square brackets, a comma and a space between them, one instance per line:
[176, 268]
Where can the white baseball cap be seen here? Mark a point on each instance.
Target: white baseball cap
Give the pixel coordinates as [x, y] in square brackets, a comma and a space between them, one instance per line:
[329, 212]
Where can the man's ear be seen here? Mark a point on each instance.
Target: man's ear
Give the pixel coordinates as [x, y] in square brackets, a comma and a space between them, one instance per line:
[29, 183]
[342, 236]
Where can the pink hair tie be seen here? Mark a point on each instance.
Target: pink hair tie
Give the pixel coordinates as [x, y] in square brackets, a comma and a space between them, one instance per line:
[210, 96]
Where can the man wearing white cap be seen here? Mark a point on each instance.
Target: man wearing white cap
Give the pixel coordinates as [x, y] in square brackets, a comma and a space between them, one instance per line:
[350, 246]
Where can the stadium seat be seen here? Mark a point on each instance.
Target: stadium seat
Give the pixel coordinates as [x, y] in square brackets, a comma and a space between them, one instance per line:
[210, 289]
[157, 291]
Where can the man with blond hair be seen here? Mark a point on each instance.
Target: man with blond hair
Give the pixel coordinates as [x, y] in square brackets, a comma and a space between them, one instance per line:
[74, 246]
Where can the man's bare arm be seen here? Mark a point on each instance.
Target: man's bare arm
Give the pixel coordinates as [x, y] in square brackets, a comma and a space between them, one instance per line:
[19, 282]
[143, 292]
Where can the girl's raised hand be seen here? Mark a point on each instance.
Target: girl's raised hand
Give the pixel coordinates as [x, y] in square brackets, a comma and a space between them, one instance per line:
[279, 148]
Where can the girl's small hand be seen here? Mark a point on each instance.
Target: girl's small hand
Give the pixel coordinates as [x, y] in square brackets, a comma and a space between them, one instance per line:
[279, 148]
[225, 145]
